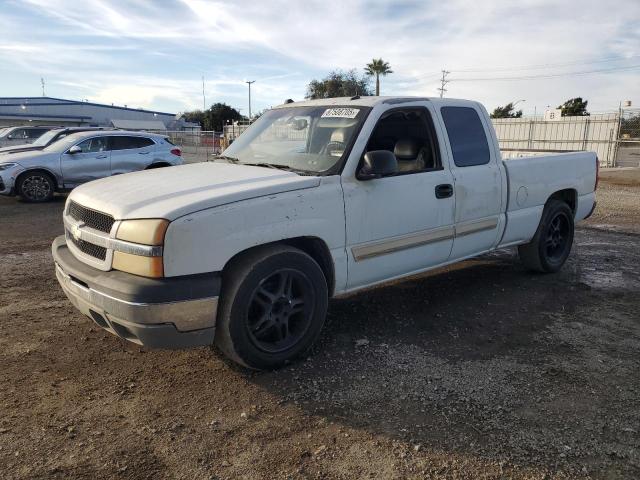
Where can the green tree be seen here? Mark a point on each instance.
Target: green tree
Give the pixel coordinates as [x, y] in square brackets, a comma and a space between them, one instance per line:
[215, 117]
[339, 84]
[378, 67]
[574, 107]
[506, 112]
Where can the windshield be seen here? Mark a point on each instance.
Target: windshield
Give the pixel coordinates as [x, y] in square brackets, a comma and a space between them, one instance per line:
[63, 143]
[44, 139]
[305, 139]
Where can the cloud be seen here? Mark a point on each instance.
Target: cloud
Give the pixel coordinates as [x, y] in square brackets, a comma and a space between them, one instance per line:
[156, 52]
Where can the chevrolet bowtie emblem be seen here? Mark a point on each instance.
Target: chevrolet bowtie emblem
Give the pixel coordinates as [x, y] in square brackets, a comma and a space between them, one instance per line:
[75, 230]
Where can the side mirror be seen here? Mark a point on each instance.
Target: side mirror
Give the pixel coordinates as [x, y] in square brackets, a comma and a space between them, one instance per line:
[75, 149]
[378, 163]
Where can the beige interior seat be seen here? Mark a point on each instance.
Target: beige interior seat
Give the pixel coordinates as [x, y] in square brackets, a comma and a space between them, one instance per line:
[410, 155]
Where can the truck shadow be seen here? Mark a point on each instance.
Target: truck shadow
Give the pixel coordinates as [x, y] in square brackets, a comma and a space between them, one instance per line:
[464, 359]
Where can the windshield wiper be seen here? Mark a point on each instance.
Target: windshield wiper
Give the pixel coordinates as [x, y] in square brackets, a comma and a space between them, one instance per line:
[226, 157]
[277, 166]
[268, 165]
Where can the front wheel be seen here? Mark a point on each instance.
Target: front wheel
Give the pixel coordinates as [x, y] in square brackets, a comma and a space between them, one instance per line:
[273, 306]
[35, 187]
[551, 245]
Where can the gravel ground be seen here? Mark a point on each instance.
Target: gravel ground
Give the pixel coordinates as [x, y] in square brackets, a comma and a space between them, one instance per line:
[481, 370]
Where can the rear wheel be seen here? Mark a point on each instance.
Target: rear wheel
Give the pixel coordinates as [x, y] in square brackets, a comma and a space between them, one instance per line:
[35, 187]
[273, 306]
[551, 245]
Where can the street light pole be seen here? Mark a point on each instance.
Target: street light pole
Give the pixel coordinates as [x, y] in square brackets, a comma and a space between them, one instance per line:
[249, 83]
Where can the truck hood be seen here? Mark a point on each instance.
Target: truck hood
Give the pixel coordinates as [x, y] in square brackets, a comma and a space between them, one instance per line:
[172, 192]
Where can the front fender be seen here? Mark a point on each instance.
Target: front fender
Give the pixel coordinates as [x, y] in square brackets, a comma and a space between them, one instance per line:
[55, 175]
[205, 241]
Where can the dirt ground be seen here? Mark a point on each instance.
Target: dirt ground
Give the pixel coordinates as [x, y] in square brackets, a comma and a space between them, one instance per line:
[482, 370]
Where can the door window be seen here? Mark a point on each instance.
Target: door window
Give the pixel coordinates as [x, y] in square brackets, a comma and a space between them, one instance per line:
[19, 133]
[410, 135]
[127, 143]
[467, 137]
[34, 133]
[93, 145]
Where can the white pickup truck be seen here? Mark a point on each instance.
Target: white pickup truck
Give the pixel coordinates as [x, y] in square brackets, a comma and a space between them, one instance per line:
[316, 199]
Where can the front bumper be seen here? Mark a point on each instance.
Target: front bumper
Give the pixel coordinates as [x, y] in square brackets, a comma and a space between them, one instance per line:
[175, 312]
[6, 184]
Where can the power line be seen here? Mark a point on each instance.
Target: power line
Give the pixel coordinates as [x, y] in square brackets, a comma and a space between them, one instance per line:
[546, 65]
[554, 75]
[437, 75]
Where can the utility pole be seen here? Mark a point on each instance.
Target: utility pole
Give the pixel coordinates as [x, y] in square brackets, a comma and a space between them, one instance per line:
[204, 99]
[443, 82]
[249, 83]
[42, 83]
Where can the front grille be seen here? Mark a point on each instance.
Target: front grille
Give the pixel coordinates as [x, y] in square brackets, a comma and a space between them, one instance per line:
[91, 218]
[90, 249]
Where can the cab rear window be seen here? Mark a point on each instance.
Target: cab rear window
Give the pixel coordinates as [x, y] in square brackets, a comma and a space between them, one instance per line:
[466, 136]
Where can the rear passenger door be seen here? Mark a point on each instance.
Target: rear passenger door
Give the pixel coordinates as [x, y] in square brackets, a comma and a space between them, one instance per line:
[130, 153]
[89, 164]
[478, 180]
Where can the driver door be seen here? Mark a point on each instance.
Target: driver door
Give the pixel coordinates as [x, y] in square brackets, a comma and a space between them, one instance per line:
[402, 223]
[93, 162]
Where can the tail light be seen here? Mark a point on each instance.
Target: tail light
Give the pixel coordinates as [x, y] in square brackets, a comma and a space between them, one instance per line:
[176, 152]
[595, 187]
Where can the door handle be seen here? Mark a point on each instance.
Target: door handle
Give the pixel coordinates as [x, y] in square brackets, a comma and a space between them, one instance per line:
[143, 153]
[102, 156]
[444, 191]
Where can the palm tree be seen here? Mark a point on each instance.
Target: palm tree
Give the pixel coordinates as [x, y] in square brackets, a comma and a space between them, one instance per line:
[378, 67]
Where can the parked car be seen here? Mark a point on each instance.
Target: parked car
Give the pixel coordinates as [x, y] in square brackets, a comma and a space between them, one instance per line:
[315, 199]
[48, 138]
[81, 157]
[21, 135]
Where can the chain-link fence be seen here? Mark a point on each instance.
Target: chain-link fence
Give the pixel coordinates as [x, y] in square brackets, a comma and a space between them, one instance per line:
[197, 146]
[628, 151]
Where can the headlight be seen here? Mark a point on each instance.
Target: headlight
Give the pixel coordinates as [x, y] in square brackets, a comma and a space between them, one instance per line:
[7, 166]
[145, 232]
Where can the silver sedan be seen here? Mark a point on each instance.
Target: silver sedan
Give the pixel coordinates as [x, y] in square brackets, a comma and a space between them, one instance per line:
[81, 157]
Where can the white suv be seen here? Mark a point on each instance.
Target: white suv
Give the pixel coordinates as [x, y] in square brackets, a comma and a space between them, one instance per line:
[81, 157]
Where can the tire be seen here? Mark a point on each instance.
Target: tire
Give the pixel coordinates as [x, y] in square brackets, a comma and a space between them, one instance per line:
[35, 187]
[273, 306]
[551, 245]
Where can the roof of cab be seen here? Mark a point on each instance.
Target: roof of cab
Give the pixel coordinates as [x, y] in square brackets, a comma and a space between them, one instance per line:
[366, 101]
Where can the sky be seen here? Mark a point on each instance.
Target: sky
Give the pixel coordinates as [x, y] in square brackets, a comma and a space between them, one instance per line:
[153, 54]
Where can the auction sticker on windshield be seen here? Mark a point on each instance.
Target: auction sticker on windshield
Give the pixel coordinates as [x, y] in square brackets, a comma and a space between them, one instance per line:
[341, 112]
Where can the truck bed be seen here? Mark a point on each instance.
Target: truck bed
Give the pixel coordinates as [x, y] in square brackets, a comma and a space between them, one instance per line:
[532, 180]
